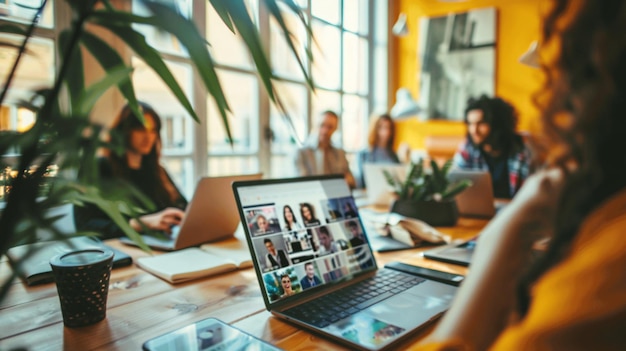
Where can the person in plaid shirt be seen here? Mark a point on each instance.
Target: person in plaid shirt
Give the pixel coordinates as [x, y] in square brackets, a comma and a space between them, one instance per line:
[493, 145]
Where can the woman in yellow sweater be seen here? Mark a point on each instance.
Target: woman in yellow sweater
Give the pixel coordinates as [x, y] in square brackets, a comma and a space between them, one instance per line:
[573, 297]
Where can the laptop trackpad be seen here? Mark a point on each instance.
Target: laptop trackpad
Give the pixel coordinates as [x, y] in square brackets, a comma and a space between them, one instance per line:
[386, 321]
[423, 308]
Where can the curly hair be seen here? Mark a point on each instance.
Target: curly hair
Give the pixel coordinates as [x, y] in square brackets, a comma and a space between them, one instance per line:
[502, 118]
[583, 104]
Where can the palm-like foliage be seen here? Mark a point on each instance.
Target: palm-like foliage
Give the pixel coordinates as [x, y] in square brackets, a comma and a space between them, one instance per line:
[420, 185]
[63, 134]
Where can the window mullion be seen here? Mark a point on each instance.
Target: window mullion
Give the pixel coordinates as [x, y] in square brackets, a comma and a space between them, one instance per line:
[200, 155]
[265, 145]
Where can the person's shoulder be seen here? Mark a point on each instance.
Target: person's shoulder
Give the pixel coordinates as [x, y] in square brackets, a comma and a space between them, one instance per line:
[521, 150]
[605, 220]
[464, 153]
[466, 144]
[304, 150]
[340, 152]
[364, 151]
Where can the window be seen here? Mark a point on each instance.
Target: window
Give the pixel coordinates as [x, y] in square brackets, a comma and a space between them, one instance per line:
[348, 69]
[37, 67]
[342, 70]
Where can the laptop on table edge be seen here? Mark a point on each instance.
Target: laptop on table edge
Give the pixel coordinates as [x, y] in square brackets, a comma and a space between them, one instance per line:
[210, 216]
[476, 201]
[374, 324]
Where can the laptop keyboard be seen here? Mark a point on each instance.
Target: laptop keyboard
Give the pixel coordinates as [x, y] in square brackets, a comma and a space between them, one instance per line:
[345, 302]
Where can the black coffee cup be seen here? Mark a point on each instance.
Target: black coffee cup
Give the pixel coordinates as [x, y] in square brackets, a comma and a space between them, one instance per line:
[82, 279]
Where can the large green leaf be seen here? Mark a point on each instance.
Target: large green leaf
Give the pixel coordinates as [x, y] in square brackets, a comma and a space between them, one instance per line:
[12, 29]
[275, 11]
[456, 188]
[111, 208]
[81, 7]
[118, 23]
[75, 80]
[222, 11]
[110, 59]
[250, 35]
[90, 96]
[187, 33]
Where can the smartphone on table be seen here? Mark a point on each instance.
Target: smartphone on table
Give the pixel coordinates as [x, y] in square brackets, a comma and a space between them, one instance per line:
[210, 334]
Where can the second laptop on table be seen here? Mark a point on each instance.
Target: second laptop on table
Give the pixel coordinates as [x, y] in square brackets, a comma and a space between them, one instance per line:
[211, 215]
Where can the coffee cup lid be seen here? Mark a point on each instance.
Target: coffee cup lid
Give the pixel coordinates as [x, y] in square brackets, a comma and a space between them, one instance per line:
[81, 257]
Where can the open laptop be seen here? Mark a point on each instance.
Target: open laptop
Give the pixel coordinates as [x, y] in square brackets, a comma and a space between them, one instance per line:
[378, 191]
[346, 297]
[477, 200]
[211, 215]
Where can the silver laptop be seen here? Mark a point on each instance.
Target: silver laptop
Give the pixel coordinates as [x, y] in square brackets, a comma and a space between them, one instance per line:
[322, 275]
[211, 215]
[477, 200]
[378, 191]
[457, 253]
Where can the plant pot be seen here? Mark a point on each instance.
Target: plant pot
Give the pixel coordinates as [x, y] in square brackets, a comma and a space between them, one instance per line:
[435, 213]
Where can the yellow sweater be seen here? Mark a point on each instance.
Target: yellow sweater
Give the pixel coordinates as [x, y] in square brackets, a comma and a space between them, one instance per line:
[580, 304]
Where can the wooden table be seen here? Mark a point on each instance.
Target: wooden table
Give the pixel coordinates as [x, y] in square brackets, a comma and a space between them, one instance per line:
[141, 306]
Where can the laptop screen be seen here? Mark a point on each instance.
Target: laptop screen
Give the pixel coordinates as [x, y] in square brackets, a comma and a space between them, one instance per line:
[304, 234]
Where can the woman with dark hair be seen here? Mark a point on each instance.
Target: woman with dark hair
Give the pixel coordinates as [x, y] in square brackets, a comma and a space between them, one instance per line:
[493, 145]
[381, 136]
[291, 223]
[308, 214]
[573, 296]
[138, 166]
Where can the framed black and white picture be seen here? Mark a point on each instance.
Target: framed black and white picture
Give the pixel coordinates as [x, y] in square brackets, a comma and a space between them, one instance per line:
[457, 61]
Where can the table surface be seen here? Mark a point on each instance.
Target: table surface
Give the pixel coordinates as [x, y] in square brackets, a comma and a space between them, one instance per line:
[141, 306]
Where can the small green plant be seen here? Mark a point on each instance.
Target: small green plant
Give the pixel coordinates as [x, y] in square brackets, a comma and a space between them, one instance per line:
[424, 185]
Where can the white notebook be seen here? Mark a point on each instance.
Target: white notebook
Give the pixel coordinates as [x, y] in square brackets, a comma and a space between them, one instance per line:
[197, 262]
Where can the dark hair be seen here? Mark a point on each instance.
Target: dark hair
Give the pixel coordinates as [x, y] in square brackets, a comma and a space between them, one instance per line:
[164, 191]
[265, 241]
[502, 118]
[586, 89]
[292, 215]
[311, 210]
[325, 231]
[372, 138]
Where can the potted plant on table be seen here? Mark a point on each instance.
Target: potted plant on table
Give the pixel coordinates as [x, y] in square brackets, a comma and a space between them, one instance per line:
[64, 137]
[427, 195]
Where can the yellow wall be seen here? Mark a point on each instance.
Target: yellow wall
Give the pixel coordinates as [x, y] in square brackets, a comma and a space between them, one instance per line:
[518, 25]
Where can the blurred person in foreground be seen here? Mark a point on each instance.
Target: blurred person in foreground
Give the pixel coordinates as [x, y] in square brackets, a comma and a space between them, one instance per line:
[573, 296]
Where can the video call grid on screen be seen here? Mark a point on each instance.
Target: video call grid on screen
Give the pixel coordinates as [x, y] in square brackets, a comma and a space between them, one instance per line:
[326, 237]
